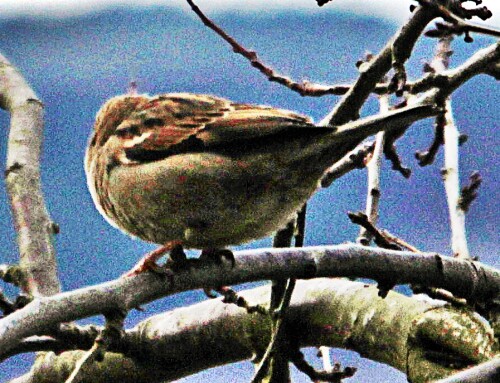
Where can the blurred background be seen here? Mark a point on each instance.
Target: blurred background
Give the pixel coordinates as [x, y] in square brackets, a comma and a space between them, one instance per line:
[77, 55]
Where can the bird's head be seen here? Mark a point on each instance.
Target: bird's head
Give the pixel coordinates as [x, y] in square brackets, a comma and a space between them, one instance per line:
[112, 114]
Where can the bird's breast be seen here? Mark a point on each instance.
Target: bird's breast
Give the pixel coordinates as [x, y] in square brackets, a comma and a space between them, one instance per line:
[205, 199]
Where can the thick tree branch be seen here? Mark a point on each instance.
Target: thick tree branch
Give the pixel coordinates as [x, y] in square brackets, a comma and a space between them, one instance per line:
[332, 312]
[33, 225]
[488, 372]
[470, 280]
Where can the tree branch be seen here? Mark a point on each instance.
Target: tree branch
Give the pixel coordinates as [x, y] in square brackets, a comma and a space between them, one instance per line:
[471, 280]
[348, 107]
[355, 159]
[469, 192]
[488, 372]
[305, 88]
[479, 62]
[392, 120]
[450, 139]
[452, 186]
[33, 225]
[457, 24]
[373, 169]
[336, 313]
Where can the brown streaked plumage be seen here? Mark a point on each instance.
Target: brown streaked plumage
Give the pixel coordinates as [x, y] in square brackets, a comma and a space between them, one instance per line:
[203, 171]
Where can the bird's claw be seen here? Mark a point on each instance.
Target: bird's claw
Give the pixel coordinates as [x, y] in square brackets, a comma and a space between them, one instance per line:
[216, 256]
[148, 262]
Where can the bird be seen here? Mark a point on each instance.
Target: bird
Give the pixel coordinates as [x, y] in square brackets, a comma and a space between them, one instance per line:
[197, 171]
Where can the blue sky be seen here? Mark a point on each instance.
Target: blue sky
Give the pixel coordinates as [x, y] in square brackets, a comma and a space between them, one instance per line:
[87, 52]
[388, 9]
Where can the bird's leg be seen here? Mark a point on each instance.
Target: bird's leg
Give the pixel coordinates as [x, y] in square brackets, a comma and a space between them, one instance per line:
[177, 260]
[215, 256]
[148, 262]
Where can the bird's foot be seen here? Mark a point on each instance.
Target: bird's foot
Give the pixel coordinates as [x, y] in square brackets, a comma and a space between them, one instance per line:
[148, 262]
[215, 256]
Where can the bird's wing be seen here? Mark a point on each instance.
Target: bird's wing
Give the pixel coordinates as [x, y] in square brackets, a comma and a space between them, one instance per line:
[246, 122]
[182, 122]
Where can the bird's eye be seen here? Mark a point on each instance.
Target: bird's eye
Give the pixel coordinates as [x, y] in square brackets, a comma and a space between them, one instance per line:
[132, 130]
[150, 122]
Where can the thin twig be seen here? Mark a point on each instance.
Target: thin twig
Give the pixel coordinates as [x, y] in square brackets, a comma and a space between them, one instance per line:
[440, 294]
[304, 88]
[277, 335]
[87, 358]
[335, 376]
[447, 81]
[380, 240]
[355, 159]
[274, 362]
[398, 241]
[452, 186]
[427, 157]
[480, 62]
[438, 65]
[391, 152]
[469, 191]
[231, 296]
[457, 24]
[112, 332]
[451, 160]
[373, 168]
[347, 109]
[387, 240]
[266, 365]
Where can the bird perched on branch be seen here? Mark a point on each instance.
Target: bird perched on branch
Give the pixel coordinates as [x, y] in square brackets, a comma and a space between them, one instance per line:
[203, 172]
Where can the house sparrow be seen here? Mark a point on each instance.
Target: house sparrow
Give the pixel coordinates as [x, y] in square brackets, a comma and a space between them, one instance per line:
[204, 172]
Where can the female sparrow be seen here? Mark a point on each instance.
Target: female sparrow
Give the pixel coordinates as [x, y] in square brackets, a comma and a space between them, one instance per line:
[204, 172]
